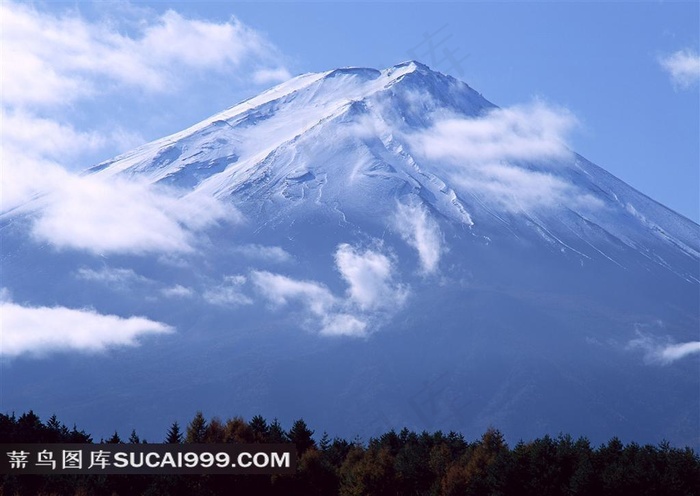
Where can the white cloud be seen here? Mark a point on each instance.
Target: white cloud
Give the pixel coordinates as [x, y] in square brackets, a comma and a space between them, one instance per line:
[484, 156]
[22, 177]
[683, 66]
[674, 352]
[271, 254]
[369, 275]
[116, 216]
[524, 132]
[113, 277]
[177, 291]
[87, 212]
[343, 324]
[326, 311]
[41, 330]
[41, 137]
[372, 293]
[282, 290]
[265, 76]
[55, 62]
[229, 293]
[54, 59]
[662, 350]
[5, 295]
[421, 232]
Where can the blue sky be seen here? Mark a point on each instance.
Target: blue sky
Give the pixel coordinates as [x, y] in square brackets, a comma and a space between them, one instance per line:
[91, 80]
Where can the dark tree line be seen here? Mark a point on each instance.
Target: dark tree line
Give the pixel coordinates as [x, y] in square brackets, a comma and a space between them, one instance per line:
[396, 463]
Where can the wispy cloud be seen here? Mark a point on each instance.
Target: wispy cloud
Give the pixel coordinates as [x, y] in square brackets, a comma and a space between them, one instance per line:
[324, 309]
[522, 132]
[276, 75]
[674, 352]
[422, 232]
[42, 137]
[270, 254]
[372, 294]
[116, 278]
[54, 59]
[282, 290]
[662, 350]
[38, 331]
[124, 217]
[177, 291]
[229, 293]
[683, 66]
[369, 275]
[507, 157]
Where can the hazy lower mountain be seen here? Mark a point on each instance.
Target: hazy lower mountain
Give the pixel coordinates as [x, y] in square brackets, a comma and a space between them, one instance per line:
[364, 249]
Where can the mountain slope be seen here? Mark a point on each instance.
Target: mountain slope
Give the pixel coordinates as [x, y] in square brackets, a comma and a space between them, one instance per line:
[404, 253]
[308, 138]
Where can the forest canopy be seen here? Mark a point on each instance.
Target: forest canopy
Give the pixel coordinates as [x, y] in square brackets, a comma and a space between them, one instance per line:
[395, 463]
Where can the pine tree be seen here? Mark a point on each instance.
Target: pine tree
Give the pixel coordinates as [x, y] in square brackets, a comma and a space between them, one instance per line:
[300, 435]
[29, 428]
[174, 435]
[325, 442]
[115, 439]
[8, 426]
[79, 436]
[134, 438]
[261, 430]
[56, 430]
[276, 434]
[197, 430]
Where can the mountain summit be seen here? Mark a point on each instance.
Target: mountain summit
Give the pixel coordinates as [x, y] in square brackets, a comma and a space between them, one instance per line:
[390, 249]
[356, 138]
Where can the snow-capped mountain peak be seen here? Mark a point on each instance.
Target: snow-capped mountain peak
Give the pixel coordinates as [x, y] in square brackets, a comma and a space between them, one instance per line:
[352, 139]
[494, 276]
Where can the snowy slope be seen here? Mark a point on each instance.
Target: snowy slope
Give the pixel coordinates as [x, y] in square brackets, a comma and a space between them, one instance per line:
[299, 145]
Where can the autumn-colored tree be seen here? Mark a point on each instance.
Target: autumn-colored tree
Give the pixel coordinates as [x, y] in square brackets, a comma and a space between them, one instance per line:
[237, 430]
[215, 431]
[368, 471]
[392, 464]
[477, 471]
[197, 429]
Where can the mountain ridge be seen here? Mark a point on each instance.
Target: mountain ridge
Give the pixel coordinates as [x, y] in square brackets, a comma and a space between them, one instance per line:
[216, 157]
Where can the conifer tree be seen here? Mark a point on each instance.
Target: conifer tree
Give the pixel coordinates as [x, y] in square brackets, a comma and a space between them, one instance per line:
[79, 436]
[197, 430]
[261, 430]
[276, 433]
[56, 430]
[300, 435]
[115, 439]
[325, 442]
[174, 435]
[134, 438]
